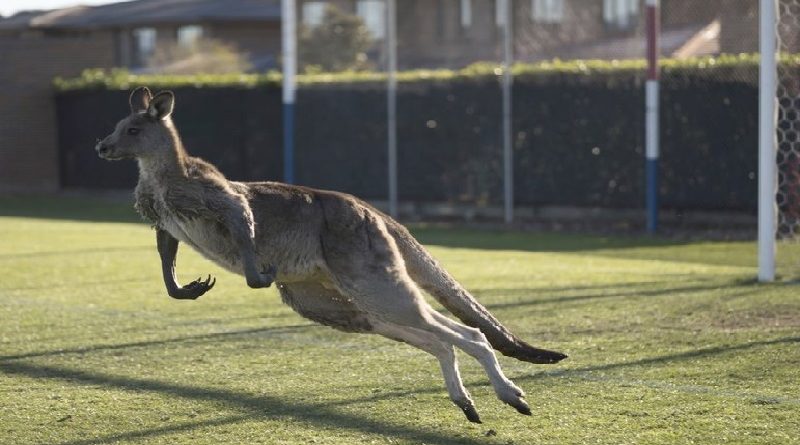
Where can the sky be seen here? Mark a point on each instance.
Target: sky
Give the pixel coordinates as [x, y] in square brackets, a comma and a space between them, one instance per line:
[8, 7]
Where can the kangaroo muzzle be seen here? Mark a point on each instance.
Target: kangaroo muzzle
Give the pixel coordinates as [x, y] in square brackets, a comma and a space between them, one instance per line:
[105, 150]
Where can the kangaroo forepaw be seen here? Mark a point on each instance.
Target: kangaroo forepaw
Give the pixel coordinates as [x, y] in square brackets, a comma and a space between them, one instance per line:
[264, 279]
[194, 290]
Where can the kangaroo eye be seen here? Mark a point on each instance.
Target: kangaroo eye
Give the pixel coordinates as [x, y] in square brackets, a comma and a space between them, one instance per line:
[133, 131]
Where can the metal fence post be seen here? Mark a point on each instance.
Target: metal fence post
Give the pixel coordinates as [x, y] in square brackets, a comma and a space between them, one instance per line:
[289, 44]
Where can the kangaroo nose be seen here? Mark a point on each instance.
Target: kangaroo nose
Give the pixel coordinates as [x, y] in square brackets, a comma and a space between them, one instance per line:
[101, 147]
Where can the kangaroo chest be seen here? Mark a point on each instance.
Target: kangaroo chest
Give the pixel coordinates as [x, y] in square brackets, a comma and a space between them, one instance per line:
[190, 223]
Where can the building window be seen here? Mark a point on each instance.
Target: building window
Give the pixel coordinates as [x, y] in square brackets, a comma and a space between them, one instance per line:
[144, 40]
[373, 12]
[547, 11]
[313, 13]
[620, 14]
[189, 35]
[466, 13]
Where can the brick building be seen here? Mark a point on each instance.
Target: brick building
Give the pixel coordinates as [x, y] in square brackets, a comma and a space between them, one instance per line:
[37, 46]
[30, 61]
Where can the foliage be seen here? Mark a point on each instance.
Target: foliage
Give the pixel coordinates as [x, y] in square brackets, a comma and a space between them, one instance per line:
[121, 79]
[725, 67]
[339, 43]
[669, 343]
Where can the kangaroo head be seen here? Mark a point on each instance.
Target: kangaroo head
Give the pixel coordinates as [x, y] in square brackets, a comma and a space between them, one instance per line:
[146, 133]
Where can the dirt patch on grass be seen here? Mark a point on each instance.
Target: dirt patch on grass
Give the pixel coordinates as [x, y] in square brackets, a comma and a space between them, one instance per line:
[782, 316]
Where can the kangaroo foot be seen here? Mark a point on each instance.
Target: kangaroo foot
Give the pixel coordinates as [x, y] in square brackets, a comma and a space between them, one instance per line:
[469, 411]
[520, 405]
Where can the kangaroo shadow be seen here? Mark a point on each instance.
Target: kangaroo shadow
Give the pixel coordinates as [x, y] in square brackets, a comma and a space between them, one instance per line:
[141, 344]
[254, 407]
[324, 414]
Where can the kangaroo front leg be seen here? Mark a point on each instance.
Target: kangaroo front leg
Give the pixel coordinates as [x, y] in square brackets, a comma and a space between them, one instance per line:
[168, 250]
[238, 219]
[257, 277]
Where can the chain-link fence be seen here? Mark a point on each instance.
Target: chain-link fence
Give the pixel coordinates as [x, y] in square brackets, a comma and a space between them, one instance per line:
[788, 140]
[709, 132]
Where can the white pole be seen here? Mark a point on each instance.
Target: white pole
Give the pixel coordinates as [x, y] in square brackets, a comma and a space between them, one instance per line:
[508, 160]
[289, 44]
[391, 101]
[767, 183]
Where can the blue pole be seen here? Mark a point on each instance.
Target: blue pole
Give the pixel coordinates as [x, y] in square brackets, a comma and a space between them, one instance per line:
[651, 172]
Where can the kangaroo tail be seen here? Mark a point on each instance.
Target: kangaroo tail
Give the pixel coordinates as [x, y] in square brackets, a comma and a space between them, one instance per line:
[427, 272]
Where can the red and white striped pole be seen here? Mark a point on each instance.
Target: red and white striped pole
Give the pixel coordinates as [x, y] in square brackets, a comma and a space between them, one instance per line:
[652, 115]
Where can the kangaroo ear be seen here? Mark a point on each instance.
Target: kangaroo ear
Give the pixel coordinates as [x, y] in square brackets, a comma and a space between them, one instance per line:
[139, 99]
[161, 105]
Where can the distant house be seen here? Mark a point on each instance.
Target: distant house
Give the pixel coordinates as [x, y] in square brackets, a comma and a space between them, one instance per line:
[36, 46]
[447, 33]
[130, 31]
[456, 32]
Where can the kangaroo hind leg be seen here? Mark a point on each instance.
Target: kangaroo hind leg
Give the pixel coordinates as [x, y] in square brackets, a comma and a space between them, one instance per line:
[505, 389]
[393, 299]
[370, 269]
[447, 361]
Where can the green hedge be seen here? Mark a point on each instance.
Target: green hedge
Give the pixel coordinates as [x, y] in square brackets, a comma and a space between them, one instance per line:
[725, 67]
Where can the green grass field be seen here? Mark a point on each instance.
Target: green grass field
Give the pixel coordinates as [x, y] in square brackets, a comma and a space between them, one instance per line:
[669, 343]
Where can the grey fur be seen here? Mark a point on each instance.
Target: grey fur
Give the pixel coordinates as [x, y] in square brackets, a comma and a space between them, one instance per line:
[336, 260]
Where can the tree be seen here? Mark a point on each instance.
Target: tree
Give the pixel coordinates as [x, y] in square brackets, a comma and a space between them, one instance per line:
[339, 43]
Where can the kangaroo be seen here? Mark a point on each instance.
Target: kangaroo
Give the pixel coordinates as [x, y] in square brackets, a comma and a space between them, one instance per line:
[334, 258]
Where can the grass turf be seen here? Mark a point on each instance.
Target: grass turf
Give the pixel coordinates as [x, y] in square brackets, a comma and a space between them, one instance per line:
[668, 343]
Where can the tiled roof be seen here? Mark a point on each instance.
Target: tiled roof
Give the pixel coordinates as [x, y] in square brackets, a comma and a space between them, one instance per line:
[147, 12]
